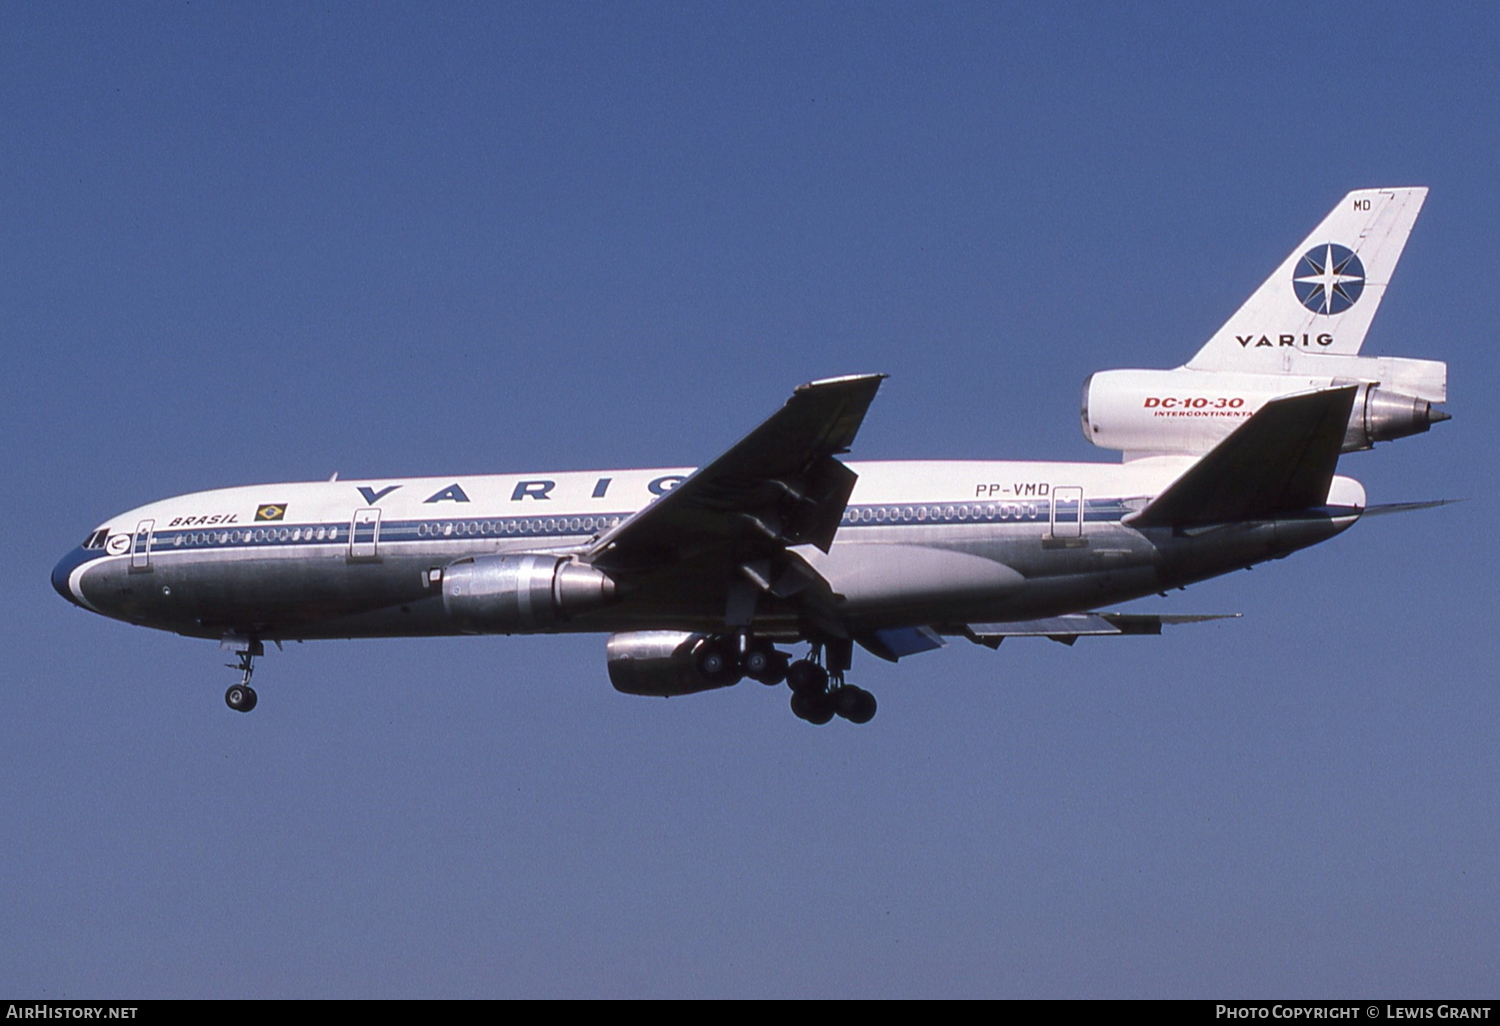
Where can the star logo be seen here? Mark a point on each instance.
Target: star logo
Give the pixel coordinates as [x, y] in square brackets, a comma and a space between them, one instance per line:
[1328, 279]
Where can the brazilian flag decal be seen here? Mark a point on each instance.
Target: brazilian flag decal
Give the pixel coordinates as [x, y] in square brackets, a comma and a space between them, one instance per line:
[271, 511]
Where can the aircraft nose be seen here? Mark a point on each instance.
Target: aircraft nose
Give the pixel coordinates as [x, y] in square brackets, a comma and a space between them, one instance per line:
[64, 570]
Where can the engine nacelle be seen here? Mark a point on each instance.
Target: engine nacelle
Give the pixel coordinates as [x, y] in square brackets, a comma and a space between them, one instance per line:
[1190, 411]
[658, 663]
[1380, 415]
[516, 594]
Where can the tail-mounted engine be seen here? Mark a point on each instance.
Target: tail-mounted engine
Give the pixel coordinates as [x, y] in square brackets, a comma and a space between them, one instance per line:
[1381, 415]
[1191, 411]
[516, 594]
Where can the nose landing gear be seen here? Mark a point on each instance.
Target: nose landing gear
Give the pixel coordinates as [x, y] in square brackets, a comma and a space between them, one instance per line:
[241, 697]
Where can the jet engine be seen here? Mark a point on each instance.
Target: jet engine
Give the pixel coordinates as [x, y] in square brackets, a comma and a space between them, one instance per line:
[516, 594]
[1150, 411]
[659, 663]
[1381, 415]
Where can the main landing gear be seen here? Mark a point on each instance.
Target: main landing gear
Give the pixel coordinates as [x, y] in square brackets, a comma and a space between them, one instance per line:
[818, 693]
[241, 697]
[818, 696]
[726, 660]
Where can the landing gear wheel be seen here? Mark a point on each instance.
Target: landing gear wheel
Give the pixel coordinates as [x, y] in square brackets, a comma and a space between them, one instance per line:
[844, 699]
[854, 704]
[717, 662]
[807, 677]
[766, 665]
[240, 698]
[814, 708]
[757, 662]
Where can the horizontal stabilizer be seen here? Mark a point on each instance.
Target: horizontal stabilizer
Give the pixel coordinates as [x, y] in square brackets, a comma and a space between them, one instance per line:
[1069, 627]
[1406, 507]
[1280, 461]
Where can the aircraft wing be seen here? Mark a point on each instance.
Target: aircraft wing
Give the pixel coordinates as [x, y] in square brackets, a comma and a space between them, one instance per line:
[778, 486]
[1279, 461]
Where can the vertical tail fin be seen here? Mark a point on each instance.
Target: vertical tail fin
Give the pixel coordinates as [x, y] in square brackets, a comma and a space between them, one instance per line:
[1324, 295]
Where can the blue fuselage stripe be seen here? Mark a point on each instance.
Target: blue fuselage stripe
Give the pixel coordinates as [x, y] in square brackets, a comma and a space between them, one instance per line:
[559, 527]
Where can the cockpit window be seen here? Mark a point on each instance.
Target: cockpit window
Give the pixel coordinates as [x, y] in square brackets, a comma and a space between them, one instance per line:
[97, 539]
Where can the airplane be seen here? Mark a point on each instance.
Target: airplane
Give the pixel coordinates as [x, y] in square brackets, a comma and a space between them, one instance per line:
[703, 577]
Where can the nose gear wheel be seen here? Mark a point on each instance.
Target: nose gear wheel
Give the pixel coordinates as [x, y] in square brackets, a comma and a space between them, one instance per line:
[241, 697]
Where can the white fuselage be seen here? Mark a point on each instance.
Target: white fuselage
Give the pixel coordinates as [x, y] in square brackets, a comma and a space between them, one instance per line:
[920, 542]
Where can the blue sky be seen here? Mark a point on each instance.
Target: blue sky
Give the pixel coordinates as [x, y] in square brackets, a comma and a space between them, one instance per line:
[269, 242]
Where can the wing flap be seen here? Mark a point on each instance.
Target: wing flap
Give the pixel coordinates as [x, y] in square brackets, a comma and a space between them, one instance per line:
[1069, 627]
[894, 643]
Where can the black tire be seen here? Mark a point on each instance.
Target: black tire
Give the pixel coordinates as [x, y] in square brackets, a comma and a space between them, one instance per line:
[766, 665]
[861, 708]
[817, 709]
[758, 661]
[820, 709]
[717, 663]
[240, 697]
[845, 699]
[807, 677]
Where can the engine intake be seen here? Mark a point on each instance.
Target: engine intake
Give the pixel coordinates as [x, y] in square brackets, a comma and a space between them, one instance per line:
[658, 663]
[516, 594]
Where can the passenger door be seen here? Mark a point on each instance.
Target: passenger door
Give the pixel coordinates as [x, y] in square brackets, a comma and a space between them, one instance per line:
[364, 535]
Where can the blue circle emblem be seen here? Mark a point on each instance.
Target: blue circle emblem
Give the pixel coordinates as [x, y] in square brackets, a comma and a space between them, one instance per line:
[1328, 279]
